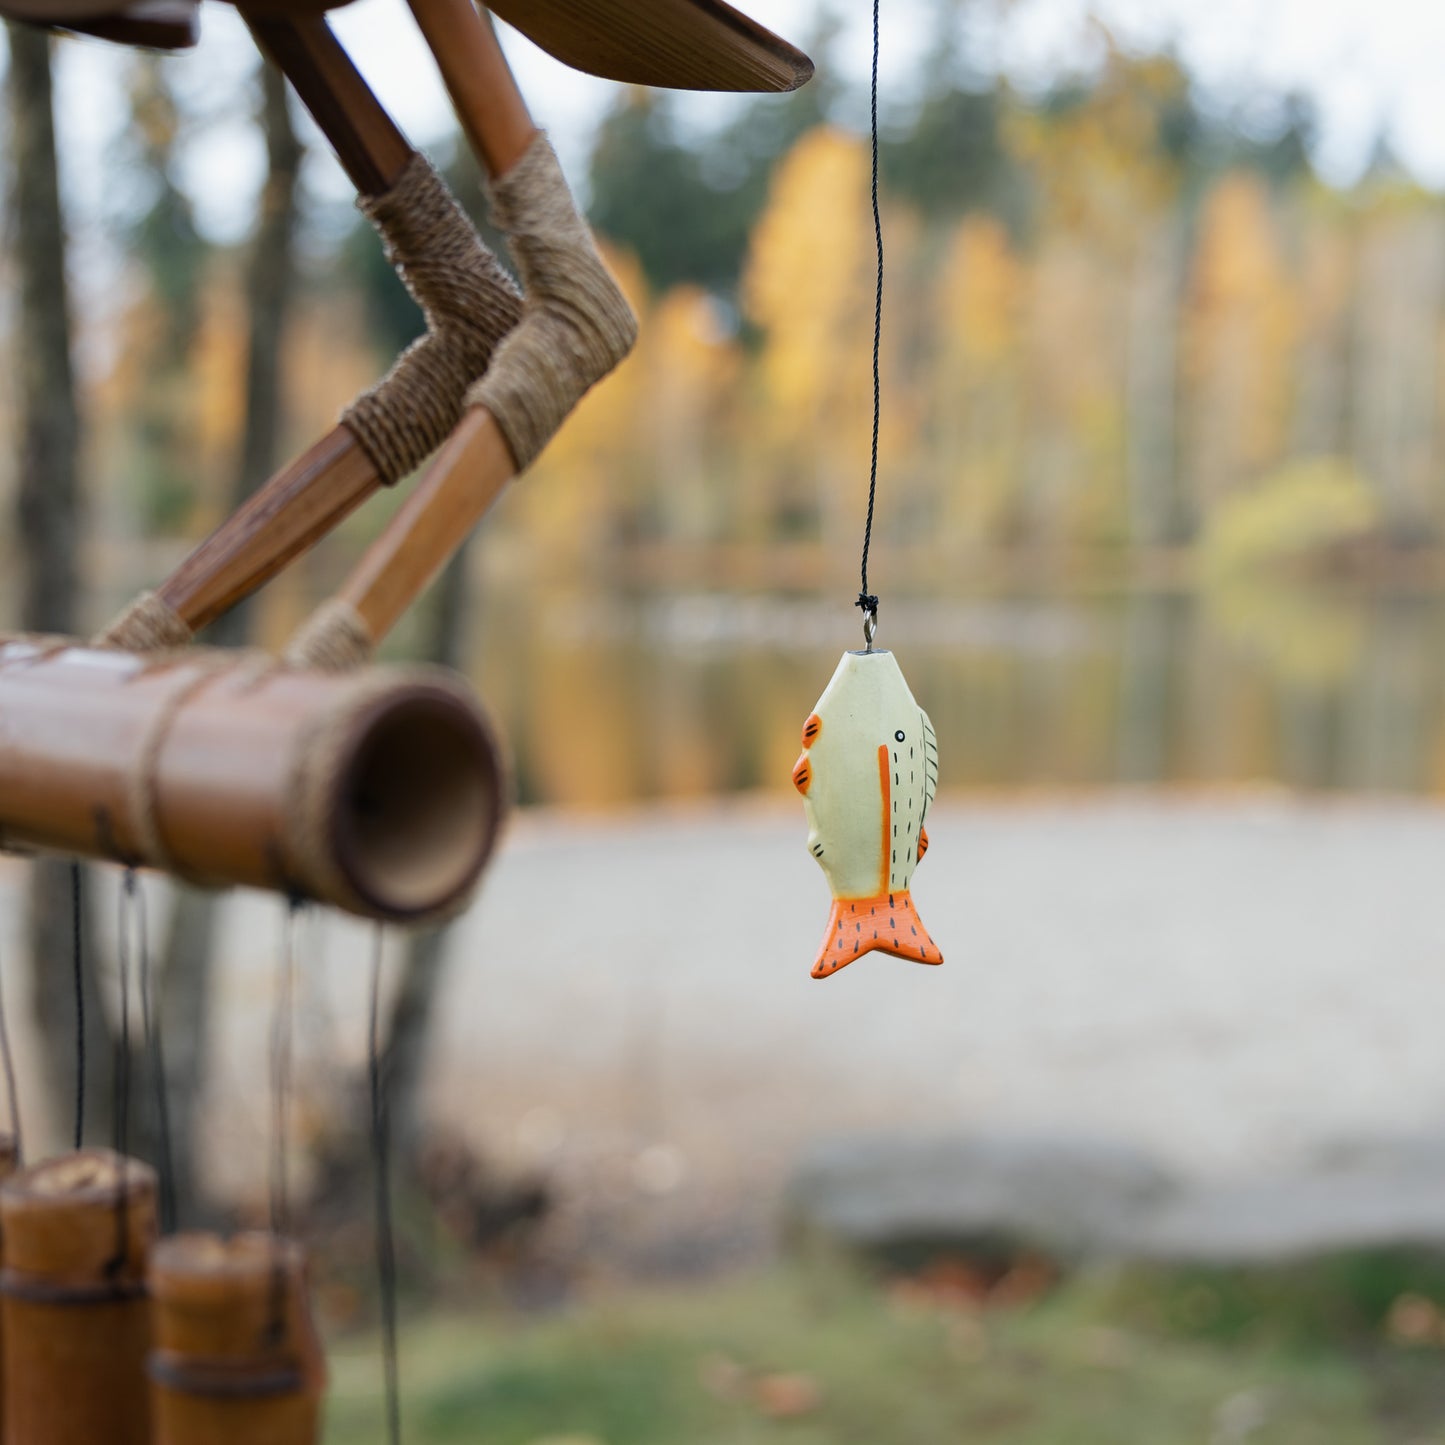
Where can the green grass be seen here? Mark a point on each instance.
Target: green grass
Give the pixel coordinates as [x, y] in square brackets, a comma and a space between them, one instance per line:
[691, 1368]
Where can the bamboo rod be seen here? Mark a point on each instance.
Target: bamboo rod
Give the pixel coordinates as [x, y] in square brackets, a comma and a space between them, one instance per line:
[75, 1319]
[159, 24]
[381, 792]
[290, 514]
[237, 1360]
[368, 143]
[467, 476]
[484, 93]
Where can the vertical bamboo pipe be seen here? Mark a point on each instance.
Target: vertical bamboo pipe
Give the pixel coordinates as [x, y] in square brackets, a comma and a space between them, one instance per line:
[237, 1359]
[9, 1162]
[74, 1314]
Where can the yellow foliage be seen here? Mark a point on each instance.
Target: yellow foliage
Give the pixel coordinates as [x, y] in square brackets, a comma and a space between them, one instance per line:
[808, 286]
[1301, 511]
[981, 287]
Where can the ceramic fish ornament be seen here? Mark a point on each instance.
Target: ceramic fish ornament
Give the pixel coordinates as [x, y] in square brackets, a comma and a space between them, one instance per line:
[867, 774]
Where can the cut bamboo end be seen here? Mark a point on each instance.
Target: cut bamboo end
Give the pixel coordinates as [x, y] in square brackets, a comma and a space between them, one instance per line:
[74, 1316]
[237, 1356]
[380, 792]
[241, 1301]
[419, 799]
[84, 1222]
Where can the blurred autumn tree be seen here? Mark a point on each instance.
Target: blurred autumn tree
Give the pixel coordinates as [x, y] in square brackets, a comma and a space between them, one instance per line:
[172, 258]
[48, 523]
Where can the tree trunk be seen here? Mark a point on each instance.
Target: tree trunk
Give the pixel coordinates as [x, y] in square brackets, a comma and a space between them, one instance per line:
[188, 966]
[48, 526]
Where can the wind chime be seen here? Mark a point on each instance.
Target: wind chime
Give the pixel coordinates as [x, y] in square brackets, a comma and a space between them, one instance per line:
[315, 775]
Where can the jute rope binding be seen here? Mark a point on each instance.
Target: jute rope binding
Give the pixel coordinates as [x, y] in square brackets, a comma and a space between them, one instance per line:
[470, 304]
[335, 638]
[149, 624]
[576, 325]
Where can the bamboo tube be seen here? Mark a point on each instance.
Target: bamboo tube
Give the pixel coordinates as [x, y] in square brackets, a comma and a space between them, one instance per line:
[237, 1360]
[9, 1162]
[75, 1319]
[381, 792]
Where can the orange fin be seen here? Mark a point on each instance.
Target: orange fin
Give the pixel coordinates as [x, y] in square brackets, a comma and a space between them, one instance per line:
[922, 843]
[811, 729]
[888, 923]
[803, 773]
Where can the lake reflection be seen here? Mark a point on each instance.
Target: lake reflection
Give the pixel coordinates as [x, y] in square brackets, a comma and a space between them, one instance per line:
[665, 694]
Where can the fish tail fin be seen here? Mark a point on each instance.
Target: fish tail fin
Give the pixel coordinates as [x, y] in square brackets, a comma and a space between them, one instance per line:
[887, 923]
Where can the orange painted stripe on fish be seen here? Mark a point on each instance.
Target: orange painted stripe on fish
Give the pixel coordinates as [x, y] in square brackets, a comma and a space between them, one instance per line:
[811, 729]
[883, 859]
[803, 774]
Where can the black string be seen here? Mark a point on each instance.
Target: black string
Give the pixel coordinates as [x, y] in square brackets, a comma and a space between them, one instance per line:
[156, 1062]
[866, 600]
[7, 1060]
[381, 1169]
[76, 931]
[120, 1123]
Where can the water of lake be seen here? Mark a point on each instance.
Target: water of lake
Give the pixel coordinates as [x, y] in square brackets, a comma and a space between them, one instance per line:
[608, 699]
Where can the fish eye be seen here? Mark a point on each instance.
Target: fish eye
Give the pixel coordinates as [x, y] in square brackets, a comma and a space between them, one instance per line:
[898, 736]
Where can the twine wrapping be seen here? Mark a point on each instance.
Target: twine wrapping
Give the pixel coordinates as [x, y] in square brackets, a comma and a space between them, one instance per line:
[470, 304]
[142, 785]
[149, 624]
[335, 638]
[576, 325]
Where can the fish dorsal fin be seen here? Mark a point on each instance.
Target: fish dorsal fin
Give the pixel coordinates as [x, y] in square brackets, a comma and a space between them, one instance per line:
[930, 763]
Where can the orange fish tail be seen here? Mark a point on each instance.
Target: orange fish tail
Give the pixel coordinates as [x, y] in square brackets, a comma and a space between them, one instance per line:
[887, 923]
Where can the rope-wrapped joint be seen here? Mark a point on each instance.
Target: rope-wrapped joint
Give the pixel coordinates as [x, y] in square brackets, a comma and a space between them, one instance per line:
[469, 301]
[149, 624]
[576, 325]
[335, 638]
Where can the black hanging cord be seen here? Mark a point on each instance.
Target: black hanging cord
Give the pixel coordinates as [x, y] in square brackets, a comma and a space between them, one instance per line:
[381, 1170]
[77, 929]
[156, 1063]
[866, 600]
[7, 1061]
[120, 1121]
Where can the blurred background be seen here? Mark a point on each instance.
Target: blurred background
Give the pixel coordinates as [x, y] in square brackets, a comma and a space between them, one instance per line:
[1159, 1155]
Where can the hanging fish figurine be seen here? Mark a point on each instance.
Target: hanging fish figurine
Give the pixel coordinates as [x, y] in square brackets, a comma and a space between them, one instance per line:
[867, 773]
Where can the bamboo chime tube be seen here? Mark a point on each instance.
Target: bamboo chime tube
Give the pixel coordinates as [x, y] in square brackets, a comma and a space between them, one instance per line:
[381, 792]
[75, 1318]
[9, 1162]
[237, 1360]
